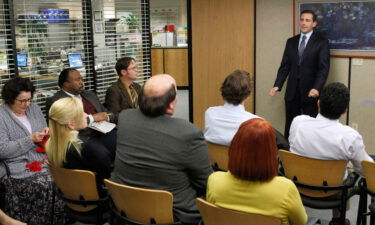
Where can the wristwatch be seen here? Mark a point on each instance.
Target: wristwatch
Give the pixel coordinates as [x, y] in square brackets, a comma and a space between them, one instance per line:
[88, 120]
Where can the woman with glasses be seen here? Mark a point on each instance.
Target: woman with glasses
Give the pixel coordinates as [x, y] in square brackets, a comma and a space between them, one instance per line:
[251, 184]
[23, 172]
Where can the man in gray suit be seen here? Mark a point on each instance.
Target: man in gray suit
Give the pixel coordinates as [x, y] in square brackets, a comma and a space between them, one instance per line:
[71, 84]
[158, 151]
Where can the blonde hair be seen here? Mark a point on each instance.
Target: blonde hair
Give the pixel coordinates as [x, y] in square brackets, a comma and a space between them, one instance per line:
[63, 111]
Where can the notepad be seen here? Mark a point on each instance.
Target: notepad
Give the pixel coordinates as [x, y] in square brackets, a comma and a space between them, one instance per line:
[102, 126]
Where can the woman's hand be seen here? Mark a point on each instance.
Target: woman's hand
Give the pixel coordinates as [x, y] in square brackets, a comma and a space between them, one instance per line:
[38, 136]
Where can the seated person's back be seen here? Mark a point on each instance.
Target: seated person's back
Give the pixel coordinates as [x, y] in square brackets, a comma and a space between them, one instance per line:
[251, 184]
[222, 122]
[65, 149]
[158, 151]
[324, 137]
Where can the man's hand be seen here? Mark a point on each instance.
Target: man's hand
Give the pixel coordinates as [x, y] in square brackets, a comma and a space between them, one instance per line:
[273, 91]
[98, 117]
[314, 93]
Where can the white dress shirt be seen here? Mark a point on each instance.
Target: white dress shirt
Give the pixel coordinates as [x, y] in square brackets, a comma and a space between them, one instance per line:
[308, 35]
[322, 138]
[222, 122]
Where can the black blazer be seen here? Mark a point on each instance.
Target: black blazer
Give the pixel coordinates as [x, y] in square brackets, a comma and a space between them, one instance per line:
[313, 71]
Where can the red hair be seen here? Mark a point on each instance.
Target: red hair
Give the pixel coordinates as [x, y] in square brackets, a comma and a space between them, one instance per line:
[252, 152]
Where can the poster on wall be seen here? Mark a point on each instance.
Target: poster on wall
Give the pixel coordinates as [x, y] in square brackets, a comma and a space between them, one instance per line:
[349, 25]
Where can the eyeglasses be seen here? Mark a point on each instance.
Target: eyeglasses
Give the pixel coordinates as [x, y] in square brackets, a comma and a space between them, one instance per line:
[23, 101]
[132, 68]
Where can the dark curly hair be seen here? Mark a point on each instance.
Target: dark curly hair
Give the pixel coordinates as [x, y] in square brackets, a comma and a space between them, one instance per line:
[236, 87]
[334, 100]
[13, 87]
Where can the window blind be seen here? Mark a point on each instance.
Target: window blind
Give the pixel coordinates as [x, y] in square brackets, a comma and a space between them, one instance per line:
[52, 35]
[121, 28]
[7, 55]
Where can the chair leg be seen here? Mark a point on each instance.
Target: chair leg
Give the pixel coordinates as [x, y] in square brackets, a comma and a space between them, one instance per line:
[372, 217]
[364, 210]
[343, 206]
[359, 211]
[361, 207]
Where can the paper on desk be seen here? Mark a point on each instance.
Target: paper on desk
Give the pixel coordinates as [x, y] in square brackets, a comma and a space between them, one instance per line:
[102, 126]
[368, 102]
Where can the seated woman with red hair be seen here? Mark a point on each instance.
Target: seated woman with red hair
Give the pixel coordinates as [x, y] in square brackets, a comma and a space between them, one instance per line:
[251, 184]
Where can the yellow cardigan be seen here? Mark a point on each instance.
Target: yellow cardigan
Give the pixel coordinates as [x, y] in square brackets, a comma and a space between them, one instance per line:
[278, 198]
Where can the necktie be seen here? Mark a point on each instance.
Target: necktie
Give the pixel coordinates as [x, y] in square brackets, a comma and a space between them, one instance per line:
[133, 95]
[302, 48]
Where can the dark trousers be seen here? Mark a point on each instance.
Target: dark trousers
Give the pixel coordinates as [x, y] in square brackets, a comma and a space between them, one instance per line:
[297, 107]
[104, 144]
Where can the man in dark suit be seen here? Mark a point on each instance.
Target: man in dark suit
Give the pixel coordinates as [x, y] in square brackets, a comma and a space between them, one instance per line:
[306, 62]
[158, 151]
[71, 84]
[123, 94]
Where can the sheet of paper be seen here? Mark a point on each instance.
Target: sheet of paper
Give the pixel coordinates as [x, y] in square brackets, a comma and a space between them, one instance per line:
[102, 126]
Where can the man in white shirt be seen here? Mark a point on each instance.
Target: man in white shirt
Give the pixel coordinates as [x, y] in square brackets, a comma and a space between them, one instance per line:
[222, 122]
[324, 137]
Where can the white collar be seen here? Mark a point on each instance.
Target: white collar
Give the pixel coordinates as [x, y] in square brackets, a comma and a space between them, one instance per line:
[238, 107]
[71, 95]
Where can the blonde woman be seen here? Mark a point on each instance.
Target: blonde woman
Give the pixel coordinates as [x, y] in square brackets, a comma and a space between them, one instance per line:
[65, 148]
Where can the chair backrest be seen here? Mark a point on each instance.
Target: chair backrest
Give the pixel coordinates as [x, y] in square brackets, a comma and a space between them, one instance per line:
[368, 169]
[76, 185]
[218, 155]
[313, 172]
[213, 215]
[140, 204]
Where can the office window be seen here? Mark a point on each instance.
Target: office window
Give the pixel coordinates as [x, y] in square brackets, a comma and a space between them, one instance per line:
[52, 35]
[121, 28]
[6, 44]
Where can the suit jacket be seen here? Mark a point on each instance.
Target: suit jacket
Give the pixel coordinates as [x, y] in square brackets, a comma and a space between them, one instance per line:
[90, 96]
[117, 98]
[163, 153]
[311, 73]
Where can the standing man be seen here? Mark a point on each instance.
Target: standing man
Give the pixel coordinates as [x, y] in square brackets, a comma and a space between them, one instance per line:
[123, 94]
[306, 62]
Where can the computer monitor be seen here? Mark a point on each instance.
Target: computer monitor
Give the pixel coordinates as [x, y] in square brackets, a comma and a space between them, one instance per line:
[22, 60]
[75, 60]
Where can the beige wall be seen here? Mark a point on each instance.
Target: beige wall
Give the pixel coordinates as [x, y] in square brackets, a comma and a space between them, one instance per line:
[274, 25]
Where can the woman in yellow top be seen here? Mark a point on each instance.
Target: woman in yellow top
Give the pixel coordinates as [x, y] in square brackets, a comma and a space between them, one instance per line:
[251, 184]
